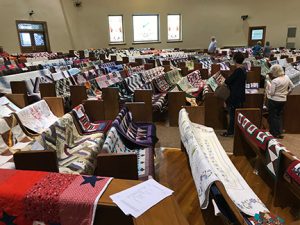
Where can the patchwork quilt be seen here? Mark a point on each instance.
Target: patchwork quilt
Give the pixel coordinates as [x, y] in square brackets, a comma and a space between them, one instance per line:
[7, 107]
[87, 127]
[159, 102]
[161, 84]
[149, 75]
[37, 117]
[294, 171]
[173, 76]
[138, 133]
[114, 144]
[11, 134]
[209, 163]
[62, 88]
[56, 198]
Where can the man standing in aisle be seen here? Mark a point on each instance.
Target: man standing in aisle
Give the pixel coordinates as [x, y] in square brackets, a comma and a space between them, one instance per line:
[212, 48]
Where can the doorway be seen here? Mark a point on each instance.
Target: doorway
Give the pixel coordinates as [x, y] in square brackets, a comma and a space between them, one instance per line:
[33, 36]
[256, 34]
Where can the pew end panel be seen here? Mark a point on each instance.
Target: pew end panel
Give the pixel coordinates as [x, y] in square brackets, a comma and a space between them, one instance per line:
[176, 100]
[56, 105]
[196, 113]
[214, 113]
[122, 166]
[43, 160]
[19, 100]
[47, 90]
[146, 97]
[139, 112]
[94, 109]
[78, 94]
[110, 97]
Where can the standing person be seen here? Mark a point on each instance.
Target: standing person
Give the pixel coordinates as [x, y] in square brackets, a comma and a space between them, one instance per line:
[267, 50]
[212, 48]
[236, 83]
[277, 91]
[257, 49]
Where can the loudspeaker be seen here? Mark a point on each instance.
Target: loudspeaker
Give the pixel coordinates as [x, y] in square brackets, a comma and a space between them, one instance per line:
[244, 17]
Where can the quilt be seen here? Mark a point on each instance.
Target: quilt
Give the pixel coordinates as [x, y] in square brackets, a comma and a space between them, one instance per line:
[56, 198]
[37, 117]
[149, 75]
[114, 144]
[138, 133]
[76, 153]
[62, 88]
[294, 171]
[173, 76]
[159, 102]
[7, 107]
[134, 82]
[87, 127]
[209, 163]
[11, 134]
[161, 84]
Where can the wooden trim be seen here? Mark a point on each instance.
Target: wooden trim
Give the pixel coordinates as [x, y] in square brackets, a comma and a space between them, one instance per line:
[257, 27]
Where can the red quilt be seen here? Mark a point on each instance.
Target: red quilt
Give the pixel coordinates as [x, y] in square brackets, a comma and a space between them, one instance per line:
[49, 198]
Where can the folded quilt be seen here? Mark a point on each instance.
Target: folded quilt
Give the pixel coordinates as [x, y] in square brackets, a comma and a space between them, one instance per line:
[209, 163]
[142, 134]
[161, 84]
[293, 171]
[11, 134]
[37, 117]
[76, 153]
[86, 126]
[114, 144]
[7, 107]
[173, 76]
[56, 198]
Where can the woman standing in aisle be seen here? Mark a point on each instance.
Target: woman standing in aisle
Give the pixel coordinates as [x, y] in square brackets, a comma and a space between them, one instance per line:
[236, 83]
[277, 90]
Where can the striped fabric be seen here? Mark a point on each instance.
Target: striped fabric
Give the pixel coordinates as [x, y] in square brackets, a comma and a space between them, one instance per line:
[114, 144]
[76, 153]
[159, 102]
[87, 127]
[134, 82]
[138, 133]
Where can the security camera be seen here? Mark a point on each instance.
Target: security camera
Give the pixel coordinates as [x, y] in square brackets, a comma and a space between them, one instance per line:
[244, 17]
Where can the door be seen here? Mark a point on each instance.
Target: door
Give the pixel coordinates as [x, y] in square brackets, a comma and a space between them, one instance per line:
[33, 36]
[256, 34]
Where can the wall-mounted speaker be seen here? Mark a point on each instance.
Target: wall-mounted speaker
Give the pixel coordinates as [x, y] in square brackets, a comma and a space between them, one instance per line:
[244, 17]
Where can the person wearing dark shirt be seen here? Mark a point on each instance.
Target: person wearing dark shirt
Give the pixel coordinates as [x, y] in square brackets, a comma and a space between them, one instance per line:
[257, 49]
[236, 83]
[267, 49]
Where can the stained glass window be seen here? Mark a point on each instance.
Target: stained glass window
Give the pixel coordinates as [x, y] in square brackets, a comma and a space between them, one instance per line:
[30, 26]
[145, 28]
[116, 32]
[39, 39]
[174, 27]
[25, 39]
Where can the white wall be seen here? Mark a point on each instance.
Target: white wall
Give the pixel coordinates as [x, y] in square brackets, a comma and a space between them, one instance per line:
[45, 10]
[88, 24]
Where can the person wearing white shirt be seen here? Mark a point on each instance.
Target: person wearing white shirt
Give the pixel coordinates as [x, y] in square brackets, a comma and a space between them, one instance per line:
[212, 48]
[277, 90]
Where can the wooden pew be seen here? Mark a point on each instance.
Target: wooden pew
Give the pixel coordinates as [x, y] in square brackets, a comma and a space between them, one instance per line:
[175, 100]
[243, 146]
[291, 123]
[146, 97]
[47, 90]
[19, 100]
[78, 94]
[215, 68]
[165, 212]
[255, 100]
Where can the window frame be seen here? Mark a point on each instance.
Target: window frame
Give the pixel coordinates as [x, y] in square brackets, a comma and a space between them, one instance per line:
[158, 29]
[180, 28]
[123, 31]
[44, 31]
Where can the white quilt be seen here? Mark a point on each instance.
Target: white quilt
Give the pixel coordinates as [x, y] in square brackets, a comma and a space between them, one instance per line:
[37, 117]
[209, 162]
